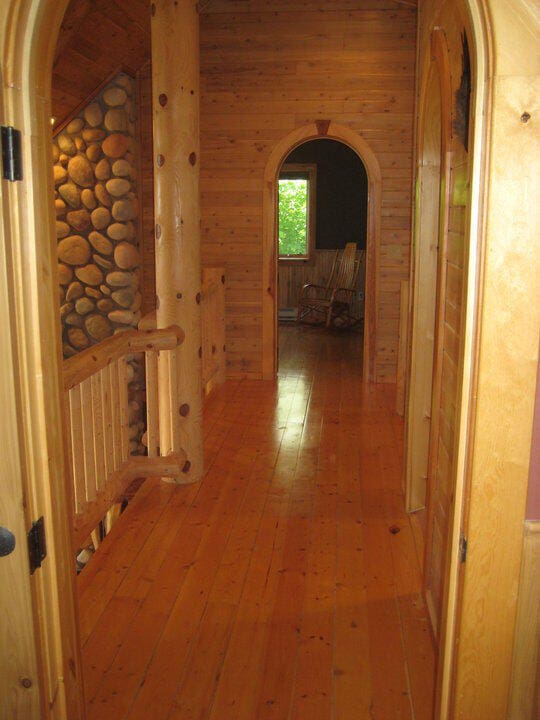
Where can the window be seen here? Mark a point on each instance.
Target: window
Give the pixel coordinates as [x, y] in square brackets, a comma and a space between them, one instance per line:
[296, 212]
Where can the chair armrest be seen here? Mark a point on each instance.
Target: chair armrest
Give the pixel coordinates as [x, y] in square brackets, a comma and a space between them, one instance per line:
[308, 287]
[348, 292]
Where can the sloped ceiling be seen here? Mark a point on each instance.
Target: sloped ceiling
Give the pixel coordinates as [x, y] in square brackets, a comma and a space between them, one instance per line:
[97, 38]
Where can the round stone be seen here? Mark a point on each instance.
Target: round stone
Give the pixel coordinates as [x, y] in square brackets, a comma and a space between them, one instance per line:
[123, 210]
[122, 168]
[137, 302]
[65, 273]
[80, 144]
[103, 169]
[117, 231]
[101, 217]
[71, 194]
[60, 174]
[122, 317]
[102, 262]
[73, 250]
[93, 134]
[125, 82]
[119, 279]
[102, 195]
[64, 159]
[65, 310]
[84, 306]
[116, 120]
[74, 291]
[88, 199]
[93, 114]
[105, 304]
[100, 243]
[105, 290]
[115, 146]
[114, 96]
[126, 256]
[66, 144]
[123, 297]
[77, 338]
[75, 126]
[93, 152]
[89, 274]
[98, 327]
[62, 229]
[60, 207]
[131, 234]
[68, 351]
[118, 187]
[79, 220]
[92, 293]
[80, 171]
[74, 319]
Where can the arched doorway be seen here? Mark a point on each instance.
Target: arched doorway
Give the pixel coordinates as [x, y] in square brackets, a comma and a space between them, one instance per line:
[322, 210]
[333, 131]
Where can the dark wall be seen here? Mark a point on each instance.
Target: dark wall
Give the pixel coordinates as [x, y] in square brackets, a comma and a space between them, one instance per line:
[341, 192]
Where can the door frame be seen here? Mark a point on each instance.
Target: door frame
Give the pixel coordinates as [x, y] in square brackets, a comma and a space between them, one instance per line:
[319, 130]
[28, 33]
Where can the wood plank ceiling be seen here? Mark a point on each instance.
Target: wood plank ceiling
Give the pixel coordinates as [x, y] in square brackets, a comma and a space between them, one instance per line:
[96, 39]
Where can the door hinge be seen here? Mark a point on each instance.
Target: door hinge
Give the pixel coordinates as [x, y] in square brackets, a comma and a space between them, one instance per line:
[37, 546]
[11, 154]
[462, 548]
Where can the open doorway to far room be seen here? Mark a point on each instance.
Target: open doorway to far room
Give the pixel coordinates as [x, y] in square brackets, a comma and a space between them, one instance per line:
[322, 230]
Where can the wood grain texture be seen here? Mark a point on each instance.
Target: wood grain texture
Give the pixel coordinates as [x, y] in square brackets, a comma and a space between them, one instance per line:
[95, 39]
[274, 588]
[268, 68]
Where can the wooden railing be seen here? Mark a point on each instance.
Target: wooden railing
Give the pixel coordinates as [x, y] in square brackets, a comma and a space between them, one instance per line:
[96, 386]
[213, 328]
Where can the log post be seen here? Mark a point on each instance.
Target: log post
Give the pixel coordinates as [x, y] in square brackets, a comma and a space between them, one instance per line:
[175, 80]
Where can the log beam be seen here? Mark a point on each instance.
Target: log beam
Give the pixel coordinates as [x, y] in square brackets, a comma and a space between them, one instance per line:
[175, 80]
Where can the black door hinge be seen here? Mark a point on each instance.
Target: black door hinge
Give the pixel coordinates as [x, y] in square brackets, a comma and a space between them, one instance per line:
[11, 154]
[37, 546]
[462, 548]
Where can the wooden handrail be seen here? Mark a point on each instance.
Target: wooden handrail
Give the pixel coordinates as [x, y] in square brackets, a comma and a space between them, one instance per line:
[90, 361]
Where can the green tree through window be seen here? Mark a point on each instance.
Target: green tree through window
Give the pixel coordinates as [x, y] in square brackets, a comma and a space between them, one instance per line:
[293, 217]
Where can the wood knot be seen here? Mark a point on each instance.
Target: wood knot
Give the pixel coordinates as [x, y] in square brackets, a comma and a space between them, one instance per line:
[153, 9]
[158, 231]
[200, 352]
[178, 296]
[198, 298]
[223, 279]
[192, 158]
[163, 99]
[213, 349]
[525, 117]
[184, 410]
[187, 466]
[160, 160]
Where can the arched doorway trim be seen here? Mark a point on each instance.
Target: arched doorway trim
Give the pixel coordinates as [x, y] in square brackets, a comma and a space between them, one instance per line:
[331, 131]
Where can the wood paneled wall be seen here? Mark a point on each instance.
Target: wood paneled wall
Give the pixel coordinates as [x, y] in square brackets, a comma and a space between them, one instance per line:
[292, 276]
[268, 68]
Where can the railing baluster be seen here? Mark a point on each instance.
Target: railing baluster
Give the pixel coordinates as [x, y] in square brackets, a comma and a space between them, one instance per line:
[124, 407]
[108, 435]
[99, 440]
[152, 407]
[75, 417]
[115, 402]
[88, 439]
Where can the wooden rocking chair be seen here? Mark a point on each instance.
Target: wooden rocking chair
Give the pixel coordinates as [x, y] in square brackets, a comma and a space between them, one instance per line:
[331, 305]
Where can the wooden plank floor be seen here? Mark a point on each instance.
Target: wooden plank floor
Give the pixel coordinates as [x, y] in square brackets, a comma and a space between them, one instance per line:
[275, 589]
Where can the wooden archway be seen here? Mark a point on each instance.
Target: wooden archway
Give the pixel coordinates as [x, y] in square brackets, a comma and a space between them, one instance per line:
[322, 129]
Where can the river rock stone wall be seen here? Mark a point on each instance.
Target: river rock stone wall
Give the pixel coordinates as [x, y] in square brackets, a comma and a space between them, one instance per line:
[95, 178]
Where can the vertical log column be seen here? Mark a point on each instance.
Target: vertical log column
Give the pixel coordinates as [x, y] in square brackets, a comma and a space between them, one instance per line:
[175, 80]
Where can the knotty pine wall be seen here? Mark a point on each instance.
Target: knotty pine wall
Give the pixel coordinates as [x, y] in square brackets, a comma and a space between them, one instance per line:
[268, 68]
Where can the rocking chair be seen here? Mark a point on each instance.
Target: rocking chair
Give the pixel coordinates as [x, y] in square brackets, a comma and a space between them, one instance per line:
[331, 305]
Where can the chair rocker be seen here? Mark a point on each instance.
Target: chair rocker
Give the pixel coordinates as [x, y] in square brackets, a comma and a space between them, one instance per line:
[332, 305]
